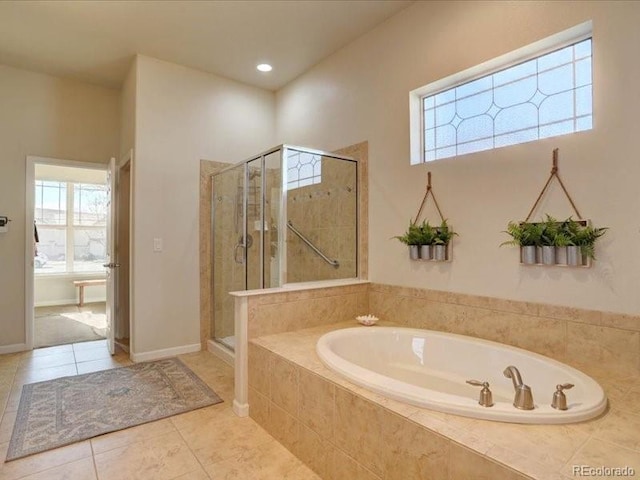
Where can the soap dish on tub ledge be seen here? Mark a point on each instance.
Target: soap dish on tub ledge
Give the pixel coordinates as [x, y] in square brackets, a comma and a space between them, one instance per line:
[367, 320]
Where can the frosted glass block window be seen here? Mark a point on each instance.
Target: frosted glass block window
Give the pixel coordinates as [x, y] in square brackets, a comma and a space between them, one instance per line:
[546, 96]
[303, 169]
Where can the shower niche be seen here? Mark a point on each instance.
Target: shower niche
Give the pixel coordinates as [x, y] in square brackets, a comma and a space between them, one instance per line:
[288, 215]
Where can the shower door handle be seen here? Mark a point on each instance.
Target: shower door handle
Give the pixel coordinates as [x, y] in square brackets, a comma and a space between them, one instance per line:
[235, 253]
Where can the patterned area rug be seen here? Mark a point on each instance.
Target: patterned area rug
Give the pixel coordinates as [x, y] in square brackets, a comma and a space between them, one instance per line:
[70, 409]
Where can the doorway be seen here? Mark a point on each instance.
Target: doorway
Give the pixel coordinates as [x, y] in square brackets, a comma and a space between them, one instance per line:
[70, 253]
[70, 232]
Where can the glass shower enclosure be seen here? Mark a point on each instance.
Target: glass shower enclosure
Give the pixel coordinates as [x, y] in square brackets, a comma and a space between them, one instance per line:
[285, 216]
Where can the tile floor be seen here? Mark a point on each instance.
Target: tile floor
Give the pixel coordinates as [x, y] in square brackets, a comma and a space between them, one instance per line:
[206, 444]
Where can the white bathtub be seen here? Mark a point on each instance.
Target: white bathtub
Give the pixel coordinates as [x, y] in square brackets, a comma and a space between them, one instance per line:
[429, 369]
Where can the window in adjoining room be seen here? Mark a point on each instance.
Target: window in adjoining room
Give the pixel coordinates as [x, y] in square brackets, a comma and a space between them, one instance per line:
[71, 222]
[538, 96]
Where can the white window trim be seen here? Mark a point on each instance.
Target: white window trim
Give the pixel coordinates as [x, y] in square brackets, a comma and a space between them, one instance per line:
[536, 49]
[31, 162]
[69, 228]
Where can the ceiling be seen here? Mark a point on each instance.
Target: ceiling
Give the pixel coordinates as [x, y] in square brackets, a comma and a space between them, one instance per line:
[95, 41]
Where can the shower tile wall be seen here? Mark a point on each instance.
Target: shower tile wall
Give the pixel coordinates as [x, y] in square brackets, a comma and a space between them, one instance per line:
[326, 214]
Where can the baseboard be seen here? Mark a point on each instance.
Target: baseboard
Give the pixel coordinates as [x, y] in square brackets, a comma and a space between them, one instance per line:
[69, 301]
[122, 345]
[224, 354]
[241, 410]
[17, 347]
[167, 352]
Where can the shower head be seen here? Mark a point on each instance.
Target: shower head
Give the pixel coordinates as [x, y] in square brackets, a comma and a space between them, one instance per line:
[253, 174]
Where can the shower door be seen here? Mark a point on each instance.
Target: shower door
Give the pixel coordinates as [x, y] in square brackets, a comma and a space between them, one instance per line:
[272, 239]
[245, 217]
[228, 248]
[253, 221]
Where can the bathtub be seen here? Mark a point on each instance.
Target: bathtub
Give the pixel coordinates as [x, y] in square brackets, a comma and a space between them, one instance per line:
[429, 369]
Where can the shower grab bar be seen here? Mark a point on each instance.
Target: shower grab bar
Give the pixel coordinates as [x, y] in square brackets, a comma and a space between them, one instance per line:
[334, 263]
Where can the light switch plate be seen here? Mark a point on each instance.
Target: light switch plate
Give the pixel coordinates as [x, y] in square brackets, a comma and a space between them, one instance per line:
[157, 244]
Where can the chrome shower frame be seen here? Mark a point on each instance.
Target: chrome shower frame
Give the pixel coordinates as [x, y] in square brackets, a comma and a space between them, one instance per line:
[284, 150]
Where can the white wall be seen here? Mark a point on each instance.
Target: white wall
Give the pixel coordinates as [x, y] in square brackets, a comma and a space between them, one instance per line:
[50, 117]
[128, 111]
[56, 290]
[127, 144]
[361, 93]
[182, 116]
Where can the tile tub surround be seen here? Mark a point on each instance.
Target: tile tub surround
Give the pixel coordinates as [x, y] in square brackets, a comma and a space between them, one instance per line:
[301, 307]
[344, 431]
[263, 312]
[593, 341]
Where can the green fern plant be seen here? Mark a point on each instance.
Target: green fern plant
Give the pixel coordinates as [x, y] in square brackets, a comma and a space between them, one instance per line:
[427, 233]
[444, 234]
[554, 233]
[412, 236]
[586, 238]
[570, 229]
[524, 234]
[551, 230]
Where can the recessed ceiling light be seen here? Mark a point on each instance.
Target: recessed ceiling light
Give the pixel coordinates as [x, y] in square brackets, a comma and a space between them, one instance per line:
[264, 67]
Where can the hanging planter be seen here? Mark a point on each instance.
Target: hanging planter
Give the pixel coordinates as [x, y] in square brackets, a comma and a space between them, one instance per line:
[581, 241]
[551, 233]
[425, 241]
[574, 256]
[552, 242]
[412, 238]
[527, 236]
[427, 237]
[441, 242]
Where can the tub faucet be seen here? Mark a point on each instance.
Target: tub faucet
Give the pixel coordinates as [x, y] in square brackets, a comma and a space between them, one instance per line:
[559, 398]
[524, 398]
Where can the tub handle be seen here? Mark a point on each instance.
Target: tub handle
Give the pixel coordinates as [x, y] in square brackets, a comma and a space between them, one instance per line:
[486, 398]
[477, 383]
[559, 401]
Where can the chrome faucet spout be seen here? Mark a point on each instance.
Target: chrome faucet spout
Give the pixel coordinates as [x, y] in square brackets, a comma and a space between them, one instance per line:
[523, 399]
